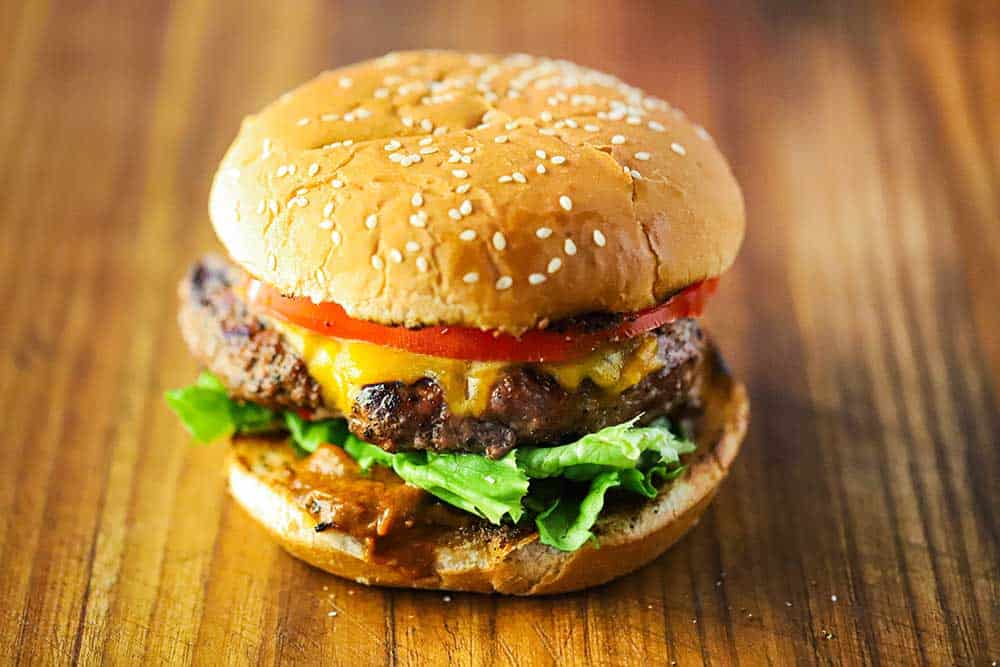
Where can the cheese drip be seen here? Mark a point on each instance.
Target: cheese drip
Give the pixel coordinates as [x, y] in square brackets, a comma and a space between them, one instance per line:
[343, 367]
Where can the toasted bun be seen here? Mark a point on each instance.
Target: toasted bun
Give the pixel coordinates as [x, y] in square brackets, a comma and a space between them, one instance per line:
[494, 560]
[320, 194]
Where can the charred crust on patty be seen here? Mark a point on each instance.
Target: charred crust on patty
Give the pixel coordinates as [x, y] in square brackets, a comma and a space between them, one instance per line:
[250, 358]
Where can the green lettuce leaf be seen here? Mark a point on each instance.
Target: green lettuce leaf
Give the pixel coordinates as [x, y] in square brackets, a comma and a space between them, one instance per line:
[474, 483]
[309, 435]
[566, 524]
[208, 413]
[613, 448]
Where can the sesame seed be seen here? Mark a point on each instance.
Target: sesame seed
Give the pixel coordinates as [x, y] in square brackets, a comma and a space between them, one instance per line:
[506, 178]
[281, 171]
[468, 235]
[337, 183]
[642, 155]
[330, 117]
[428, 150]
[590, 127]
[299, 201]
[499, 240]
[547, 131]
[466, 207]
[393, 145]
[412, 246]
[301, 191]
[633, 120]
[504, 282]
[512, 125]
[469, 149]
[454, 214]
[348, 142]
[501, 138]
[459, 173]
[519, 177]
[655, 126]
[833, 598]
[540, 154]
[566, 203]
[569, 247]
[346, 82]
[677, 148]
[261, 206]
[328, 209]
[272, 206]
[377, 263]
[419, 219]
[558, 159]
[426, 141]
[540, 168]
[335, 237]
[438, 131]
[463, 188]
[536, 278]
[599, 238]
[618, 139]
[470, 278]
[543, 232]
[313, 169]
[371, 221]
[546, 116]
[426, 125]
[417, 199]
[554, 265]
[395, 256]
[572, 123]
[422, 264]
[381, 93]
[407, 121]
[326, 223]
[302, 122]
[702, 133]
[396, 157]
[635, 174]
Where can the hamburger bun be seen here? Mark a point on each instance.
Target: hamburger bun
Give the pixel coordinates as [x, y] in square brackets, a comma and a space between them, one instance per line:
[440, 188]
[494, 559]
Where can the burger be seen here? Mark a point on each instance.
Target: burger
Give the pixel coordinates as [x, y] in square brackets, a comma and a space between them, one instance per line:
[454, 343]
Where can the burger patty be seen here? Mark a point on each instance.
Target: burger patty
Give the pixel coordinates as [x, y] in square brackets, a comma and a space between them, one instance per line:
[525, 406]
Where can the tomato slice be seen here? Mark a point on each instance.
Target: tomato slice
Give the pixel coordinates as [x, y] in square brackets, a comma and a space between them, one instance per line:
[538, 345]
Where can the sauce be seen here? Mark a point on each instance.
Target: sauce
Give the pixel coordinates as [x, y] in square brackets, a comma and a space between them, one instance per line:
[399, 525]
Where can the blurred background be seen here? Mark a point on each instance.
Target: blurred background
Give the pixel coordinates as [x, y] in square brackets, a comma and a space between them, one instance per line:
[860, 524]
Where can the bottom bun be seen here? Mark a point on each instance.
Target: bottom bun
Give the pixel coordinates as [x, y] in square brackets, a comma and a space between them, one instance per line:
[502, 559]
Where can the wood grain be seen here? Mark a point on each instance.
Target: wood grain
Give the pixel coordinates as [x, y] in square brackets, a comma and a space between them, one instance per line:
[864, 313]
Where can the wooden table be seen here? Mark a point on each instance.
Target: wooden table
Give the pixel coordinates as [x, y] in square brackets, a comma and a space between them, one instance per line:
[860, 524]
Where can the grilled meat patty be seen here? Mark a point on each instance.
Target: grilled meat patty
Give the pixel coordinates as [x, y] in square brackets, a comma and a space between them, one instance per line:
[526, 406]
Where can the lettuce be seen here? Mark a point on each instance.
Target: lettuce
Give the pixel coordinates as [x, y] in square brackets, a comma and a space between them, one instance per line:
[309, 435]
[564, 487]
[486, 487]
[208, 413]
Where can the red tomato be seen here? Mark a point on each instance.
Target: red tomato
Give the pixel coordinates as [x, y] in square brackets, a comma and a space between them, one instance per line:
[538, 345]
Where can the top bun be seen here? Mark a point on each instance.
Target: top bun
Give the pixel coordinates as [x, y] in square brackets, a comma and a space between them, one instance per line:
[434, 187]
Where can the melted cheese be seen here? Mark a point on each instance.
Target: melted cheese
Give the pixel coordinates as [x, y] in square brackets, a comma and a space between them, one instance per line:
[343, 367]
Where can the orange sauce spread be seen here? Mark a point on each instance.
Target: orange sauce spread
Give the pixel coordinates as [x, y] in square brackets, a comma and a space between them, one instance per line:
[400, 525]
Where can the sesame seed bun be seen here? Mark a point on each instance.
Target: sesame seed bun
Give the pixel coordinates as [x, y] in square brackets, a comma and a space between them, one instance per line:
[496, 559]
[494, 192]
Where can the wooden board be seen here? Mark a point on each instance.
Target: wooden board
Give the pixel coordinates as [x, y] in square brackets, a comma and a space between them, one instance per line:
[860, 524]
